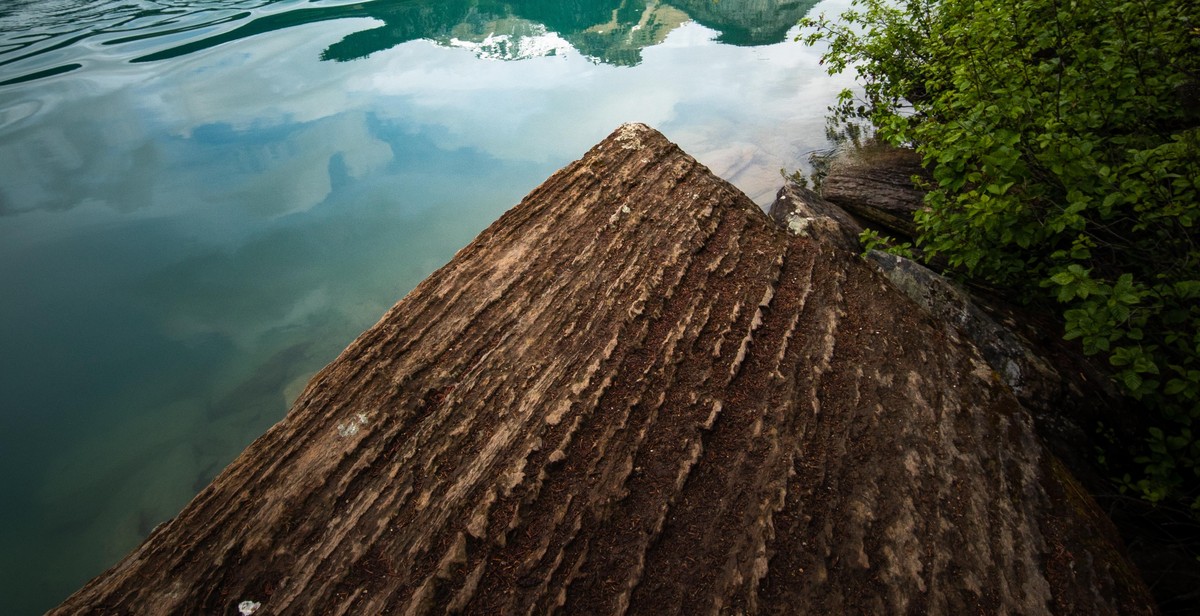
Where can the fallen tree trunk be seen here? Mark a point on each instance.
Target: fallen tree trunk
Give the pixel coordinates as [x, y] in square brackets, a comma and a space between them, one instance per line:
[634, 394]
[876, 184]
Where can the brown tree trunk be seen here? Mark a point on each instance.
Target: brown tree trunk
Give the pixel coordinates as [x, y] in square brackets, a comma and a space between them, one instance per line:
[876, 184]
[634, 394]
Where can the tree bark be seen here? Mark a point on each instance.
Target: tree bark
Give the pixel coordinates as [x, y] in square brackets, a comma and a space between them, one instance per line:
[634, 394]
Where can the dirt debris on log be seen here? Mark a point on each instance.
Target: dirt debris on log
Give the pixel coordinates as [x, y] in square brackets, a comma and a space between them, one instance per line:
[633, 393]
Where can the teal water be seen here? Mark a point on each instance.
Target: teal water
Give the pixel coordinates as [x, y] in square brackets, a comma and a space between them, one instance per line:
[203, 202]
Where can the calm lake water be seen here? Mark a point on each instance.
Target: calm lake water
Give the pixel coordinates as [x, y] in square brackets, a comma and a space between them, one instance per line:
[202, 202]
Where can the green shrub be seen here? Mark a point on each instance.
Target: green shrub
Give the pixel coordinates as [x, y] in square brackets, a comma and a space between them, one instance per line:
[1063, 139]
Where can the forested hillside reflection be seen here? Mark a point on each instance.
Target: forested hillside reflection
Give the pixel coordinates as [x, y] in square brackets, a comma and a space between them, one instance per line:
[609, 31]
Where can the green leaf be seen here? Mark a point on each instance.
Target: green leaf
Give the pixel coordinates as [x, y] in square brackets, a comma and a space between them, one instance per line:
[1063, 278]
[1132, 381]
[1175, 387]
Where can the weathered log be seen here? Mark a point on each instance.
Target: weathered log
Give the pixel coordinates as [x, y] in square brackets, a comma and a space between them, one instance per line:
[1026, 371]
[1063, 392]
[1077, 411]
[1067, 393]
[1061, 389]
[634, 393]
[876, 183]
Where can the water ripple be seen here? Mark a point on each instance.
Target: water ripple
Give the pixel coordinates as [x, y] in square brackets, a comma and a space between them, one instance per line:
[43, 38]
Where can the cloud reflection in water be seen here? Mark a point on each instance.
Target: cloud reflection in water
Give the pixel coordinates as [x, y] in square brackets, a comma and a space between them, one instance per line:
[185, 241]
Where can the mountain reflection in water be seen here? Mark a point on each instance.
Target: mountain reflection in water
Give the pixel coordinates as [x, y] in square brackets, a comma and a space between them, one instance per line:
[609, 31]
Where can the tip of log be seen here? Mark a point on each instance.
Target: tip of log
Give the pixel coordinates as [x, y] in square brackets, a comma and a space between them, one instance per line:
[633, 393]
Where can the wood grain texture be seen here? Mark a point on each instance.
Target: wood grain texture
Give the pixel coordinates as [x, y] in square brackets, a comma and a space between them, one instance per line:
[634, 394]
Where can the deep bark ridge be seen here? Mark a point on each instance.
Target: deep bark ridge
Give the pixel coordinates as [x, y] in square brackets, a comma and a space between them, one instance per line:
[635, 394]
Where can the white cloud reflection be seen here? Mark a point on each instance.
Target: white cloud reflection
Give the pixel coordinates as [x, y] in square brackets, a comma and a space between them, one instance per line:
[549, 108]
[553, 108]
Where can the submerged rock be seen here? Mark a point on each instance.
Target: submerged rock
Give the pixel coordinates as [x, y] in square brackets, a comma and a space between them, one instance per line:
[634, 393]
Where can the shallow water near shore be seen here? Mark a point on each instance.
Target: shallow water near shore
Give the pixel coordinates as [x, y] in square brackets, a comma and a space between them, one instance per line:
[202, 203]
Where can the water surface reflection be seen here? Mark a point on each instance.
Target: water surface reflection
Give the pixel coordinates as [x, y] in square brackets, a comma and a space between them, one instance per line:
[185, 240]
